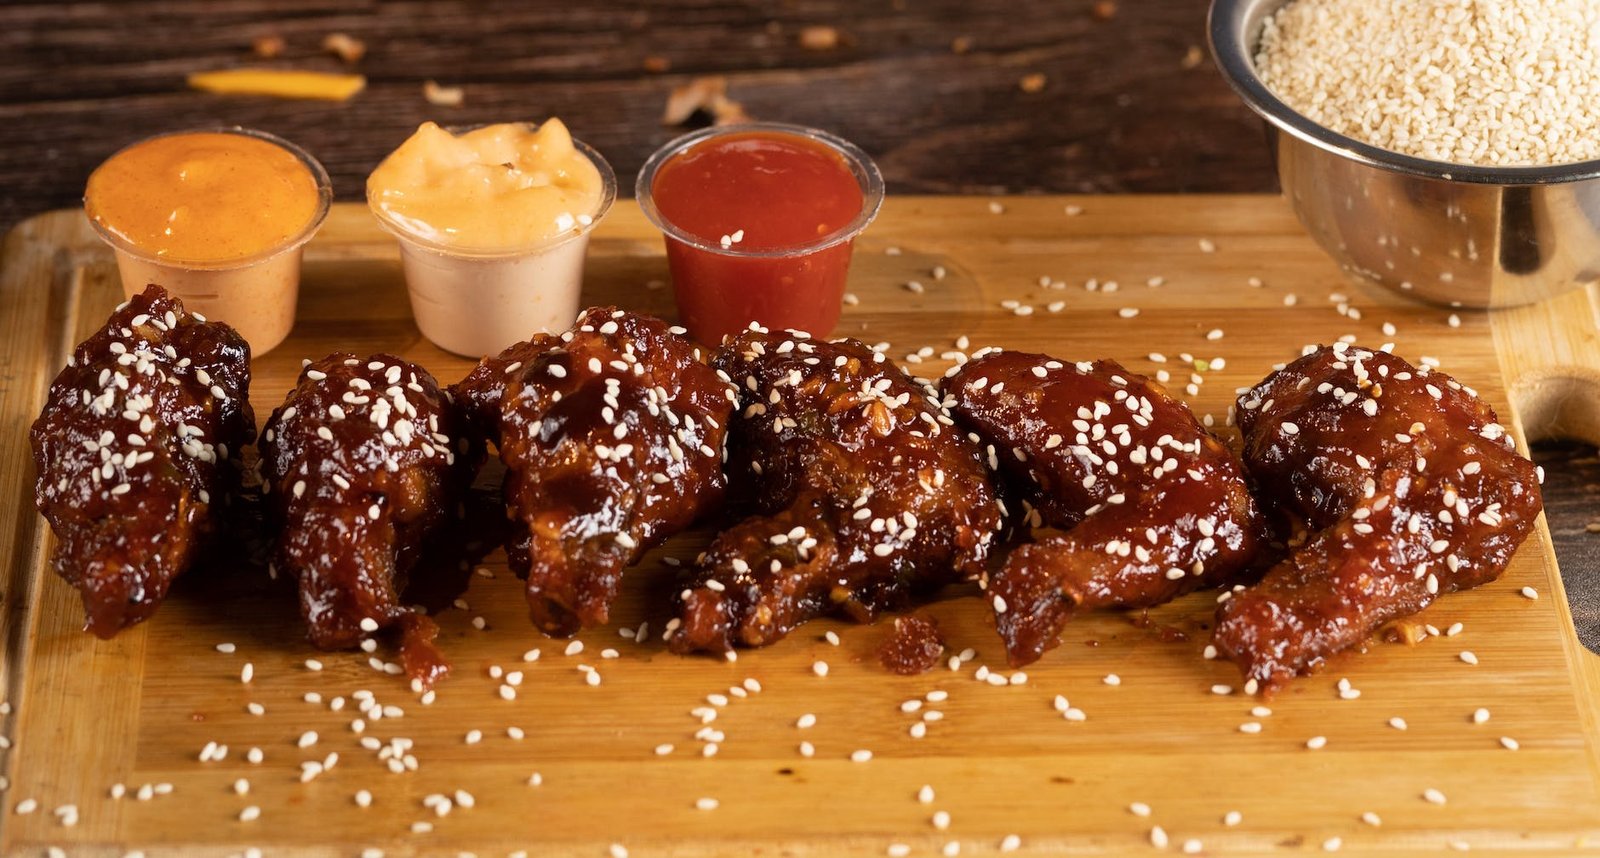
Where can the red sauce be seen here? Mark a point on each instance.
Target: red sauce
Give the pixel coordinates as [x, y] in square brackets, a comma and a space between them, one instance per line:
[782, 191]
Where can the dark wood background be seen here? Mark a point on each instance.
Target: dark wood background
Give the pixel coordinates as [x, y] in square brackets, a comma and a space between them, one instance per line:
[931, 88]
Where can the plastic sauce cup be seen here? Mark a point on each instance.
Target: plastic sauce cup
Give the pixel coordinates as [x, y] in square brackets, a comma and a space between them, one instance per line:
[722, 286]
[255, 294]
[474, 303]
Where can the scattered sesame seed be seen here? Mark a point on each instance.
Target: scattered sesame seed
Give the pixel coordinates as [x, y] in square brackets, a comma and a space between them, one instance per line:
[1139, 808]
[820, 668]
[1433, 796]
[1112, 679]
[1158, 837]
[1316, 743]
[860, 756]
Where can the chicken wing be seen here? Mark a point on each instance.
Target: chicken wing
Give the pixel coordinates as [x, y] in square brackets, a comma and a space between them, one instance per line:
[362, 465]
[612, 436]
[1153, 505]
[866, 494]
[136, 447]
[1409, 486]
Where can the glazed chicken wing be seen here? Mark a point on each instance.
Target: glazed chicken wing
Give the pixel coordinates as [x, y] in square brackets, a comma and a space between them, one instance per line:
[867, 495]
[1409, 486]
[1152, 505]
[136, 447]
[362, 465]
[612, 437]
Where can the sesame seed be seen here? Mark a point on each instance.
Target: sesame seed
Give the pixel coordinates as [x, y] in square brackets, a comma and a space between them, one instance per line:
[925, 795]
[1250, 727]
[860, 756]
[1232, 818]
[820, 668]
[1112, 679]
[1316, 743]
[706, 803]
[250, 814]
[1480, 716]
[1433, 796]
[1372, 819]
[1158, 837]
[1139, 808]
[1469, 656]
[1510, 744]
[247, 673]
[1010, 843]
[1529, 593]
[573, 648]
[1332, 844]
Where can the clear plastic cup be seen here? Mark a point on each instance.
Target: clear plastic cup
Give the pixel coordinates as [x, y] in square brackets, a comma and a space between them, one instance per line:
[474, 303]
[721, 288]
[255, 294]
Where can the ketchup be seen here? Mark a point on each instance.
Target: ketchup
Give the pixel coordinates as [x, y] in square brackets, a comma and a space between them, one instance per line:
[759, 202]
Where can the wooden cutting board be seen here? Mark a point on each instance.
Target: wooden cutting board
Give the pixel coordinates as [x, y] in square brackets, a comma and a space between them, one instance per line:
[85, 714]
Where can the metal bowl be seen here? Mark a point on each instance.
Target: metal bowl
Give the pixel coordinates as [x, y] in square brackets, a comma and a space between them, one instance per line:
[1452, 234]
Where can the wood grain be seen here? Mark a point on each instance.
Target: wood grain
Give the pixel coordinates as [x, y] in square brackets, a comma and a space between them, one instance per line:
[139, 709]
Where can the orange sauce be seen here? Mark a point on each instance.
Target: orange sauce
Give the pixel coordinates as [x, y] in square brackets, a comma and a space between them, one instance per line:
[203, 197]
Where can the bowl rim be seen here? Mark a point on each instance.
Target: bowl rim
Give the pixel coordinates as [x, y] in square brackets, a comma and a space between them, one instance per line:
[1233, 51]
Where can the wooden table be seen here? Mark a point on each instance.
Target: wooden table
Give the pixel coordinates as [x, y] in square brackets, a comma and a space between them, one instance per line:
[934, 90]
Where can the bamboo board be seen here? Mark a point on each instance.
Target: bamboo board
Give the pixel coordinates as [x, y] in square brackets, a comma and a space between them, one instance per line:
[85, 714]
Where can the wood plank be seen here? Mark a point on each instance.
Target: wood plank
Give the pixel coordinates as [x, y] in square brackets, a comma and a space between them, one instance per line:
[1002, 761]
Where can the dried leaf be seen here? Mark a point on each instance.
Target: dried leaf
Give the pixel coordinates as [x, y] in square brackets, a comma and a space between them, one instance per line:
[267, 47]
[444, 96]
[708, 94]
[345, 47]
[819, 37]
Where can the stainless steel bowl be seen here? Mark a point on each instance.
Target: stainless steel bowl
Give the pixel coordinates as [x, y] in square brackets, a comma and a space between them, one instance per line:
[1452, 234]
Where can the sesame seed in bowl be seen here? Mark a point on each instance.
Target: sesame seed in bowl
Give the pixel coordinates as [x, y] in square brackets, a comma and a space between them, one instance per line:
[1443, 149]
